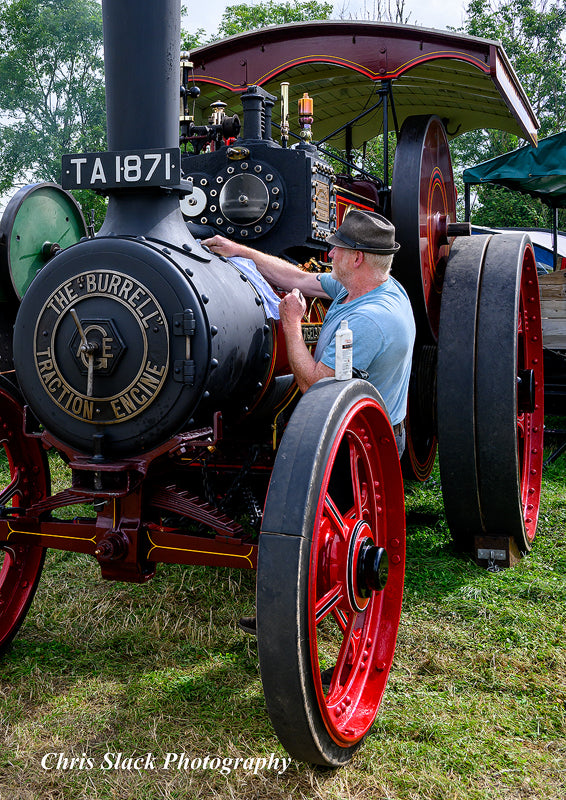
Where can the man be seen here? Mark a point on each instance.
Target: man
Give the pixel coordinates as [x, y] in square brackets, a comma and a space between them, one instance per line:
[363, 292]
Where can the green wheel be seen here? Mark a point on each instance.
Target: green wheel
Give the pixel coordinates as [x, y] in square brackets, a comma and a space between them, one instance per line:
[39, 220]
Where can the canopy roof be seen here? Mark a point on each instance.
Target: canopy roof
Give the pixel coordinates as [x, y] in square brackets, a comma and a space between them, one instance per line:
[540, 171]
[466, 81]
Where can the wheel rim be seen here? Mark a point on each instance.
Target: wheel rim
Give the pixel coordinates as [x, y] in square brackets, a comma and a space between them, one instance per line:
[530, 410]
[423, 202]
[363, 624]
[24, 481]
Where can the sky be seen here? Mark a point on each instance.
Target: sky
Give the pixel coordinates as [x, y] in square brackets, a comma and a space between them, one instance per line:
[427, 13]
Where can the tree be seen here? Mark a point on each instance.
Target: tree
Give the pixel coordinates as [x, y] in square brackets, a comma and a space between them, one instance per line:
[51, 86]
[243, 17]
[532, 33]
[246, 17]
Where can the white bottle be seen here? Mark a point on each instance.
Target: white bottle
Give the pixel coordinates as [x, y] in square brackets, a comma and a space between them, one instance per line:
[344, 341]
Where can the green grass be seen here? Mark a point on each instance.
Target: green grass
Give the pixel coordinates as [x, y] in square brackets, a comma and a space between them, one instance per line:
[475, 706]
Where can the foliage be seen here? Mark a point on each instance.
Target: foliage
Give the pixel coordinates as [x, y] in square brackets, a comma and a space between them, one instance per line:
[384, 10]
[51, 85]
[243, 17]
[532, 33]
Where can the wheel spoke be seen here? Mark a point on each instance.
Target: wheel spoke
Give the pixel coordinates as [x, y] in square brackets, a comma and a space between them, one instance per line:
[361, 472]
[346, 658]
[334, 518]
[12, 488]
[328, 602]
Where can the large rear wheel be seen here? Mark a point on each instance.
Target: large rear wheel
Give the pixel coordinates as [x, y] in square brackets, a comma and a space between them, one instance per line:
[490, 391]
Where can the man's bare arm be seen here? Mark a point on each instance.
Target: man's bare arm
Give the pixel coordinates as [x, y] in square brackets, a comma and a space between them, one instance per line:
[276, 270]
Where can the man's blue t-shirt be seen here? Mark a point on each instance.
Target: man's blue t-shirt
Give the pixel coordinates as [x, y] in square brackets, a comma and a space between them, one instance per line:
[383, 329]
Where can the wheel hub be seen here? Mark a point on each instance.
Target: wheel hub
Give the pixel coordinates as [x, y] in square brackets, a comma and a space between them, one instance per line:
[366, 566]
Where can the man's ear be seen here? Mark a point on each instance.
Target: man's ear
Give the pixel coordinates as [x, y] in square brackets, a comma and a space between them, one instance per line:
[358, 259]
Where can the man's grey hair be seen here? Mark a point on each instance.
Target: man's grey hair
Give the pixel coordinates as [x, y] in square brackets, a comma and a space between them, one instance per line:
[379, 262]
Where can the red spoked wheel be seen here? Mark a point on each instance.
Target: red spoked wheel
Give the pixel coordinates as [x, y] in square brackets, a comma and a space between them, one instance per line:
[330, 572]
[423, 204]
[25, 480]
[491, 391]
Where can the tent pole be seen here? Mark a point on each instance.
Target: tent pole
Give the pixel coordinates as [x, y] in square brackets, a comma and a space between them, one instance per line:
[467, 202]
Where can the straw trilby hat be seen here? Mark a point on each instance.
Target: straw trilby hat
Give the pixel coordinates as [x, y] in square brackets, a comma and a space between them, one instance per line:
[367, 231]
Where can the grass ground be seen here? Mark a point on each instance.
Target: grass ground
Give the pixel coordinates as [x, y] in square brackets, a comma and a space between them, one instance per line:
[475, 706]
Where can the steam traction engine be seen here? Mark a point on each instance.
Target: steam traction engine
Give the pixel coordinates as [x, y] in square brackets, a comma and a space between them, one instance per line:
[157, 371]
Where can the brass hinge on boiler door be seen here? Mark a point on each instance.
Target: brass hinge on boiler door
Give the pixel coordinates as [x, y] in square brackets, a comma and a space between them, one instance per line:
[184, 324]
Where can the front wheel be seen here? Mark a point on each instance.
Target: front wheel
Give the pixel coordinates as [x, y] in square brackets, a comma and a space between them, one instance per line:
[330, 572]
[24, 480]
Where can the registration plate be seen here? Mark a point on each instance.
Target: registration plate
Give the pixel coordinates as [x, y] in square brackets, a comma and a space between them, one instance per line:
[127, 169]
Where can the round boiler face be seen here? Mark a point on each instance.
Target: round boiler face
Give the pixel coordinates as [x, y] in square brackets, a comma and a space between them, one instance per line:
[104, 351]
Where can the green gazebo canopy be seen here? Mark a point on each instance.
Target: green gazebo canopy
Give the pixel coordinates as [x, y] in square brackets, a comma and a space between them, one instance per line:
[538, 171]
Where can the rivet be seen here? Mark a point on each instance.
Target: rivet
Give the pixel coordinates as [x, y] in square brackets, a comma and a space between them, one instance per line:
[394, 543]
[396, 559]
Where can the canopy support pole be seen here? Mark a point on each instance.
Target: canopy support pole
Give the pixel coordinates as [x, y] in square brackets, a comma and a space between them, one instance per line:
[467, 204]
[555, 236]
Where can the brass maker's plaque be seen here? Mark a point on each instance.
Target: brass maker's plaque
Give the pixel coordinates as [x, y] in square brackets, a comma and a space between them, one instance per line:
[101, 347]
[322, 201]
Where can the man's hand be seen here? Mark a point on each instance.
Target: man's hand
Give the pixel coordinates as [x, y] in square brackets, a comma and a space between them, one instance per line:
[222, 246]
[305, 369]
[292, 309]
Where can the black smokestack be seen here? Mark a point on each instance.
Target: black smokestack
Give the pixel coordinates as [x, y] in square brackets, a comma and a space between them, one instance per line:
[142, 42]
